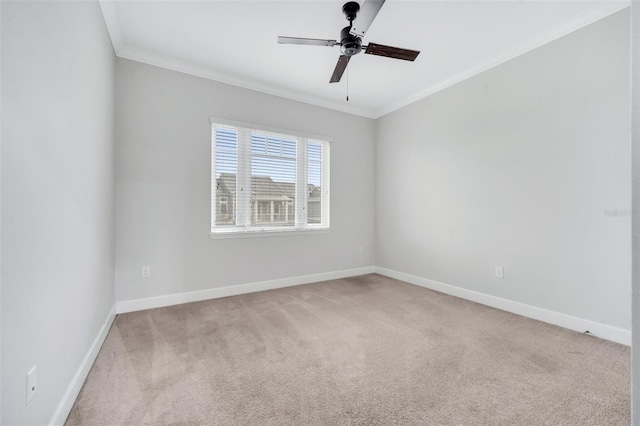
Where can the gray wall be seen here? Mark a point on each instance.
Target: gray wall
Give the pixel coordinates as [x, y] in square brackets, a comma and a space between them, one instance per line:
[635, 147]
[458, 183]
[163, 166]
[57, 197]
[515, 167]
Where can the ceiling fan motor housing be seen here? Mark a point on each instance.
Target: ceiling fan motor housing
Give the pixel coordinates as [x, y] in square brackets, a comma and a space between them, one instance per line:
[351, 42]
[351, 45]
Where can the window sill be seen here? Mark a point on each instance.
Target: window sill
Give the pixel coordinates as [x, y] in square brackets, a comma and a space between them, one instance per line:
[267, 233]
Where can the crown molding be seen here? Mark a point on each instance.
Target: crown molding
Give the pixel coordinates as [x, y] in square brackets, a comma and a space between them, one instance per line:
[113, 24]
[139, 55]
[593, 14]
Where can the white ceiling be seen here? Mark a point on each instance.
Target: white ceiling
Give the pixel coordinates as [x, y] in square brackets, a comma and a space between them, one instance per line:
[236, 42]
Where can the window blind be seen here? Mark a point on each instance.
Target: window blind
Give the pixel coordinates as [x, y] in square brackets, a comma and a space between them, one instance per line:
[267, 181]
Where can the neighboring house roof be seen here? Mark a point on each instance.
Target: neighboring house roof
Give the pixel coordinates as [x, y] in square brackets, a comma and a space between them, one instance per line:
[225, 184]
[263, 187]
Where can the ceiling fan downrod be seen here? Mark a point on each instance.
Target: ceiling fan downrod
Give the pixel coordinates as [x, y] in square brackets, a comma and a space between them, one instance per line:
[351, 38]
[350, 44]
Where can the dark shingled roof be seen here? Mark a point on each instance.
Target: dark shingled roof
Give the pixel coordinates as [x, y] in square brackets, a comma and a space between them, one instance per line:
[264, 187]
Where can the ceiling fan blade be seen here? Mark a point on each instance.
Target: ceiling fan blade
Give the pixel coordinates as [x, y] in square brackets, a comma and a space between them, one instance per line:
[365, 17]
[306, 41]
[392, 52]
[343, 61]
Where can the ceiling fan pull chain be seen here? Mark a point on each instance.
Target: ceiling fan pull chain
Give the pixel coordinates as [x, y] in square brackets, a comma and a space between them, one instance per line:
[351, 39]
[347, 85]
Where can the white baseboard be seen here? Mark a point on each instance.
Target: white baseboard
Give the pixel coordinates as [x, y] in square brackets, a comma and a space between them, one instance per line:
[69, 397]
[603, 331]
[597, 329]
[233, 290]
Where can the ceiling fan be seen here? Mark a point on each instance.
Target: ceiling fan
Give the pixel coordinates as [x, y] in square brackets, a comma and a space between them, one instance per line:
[351, 37]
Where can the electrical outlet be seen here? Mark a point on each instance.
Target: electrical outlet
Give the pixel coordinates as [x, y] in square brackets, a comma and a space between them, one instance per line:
[146, 271]
[499, 272]
[31, 385]
[361, 250]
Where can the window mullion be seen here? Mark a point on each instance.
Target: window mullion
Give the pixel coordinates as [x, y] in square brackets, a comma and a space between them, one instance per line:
[214, 181]
[243, 180]
[301, 183]
[326, 182]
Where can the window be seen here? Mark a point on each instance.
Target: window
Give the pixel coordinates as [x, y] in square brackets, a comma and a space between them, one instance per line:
[223, 206]
[266, 180]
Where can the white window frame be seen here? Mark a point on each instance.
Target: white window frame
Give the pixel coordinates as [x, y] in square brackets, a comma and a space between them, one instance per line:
[243, 226]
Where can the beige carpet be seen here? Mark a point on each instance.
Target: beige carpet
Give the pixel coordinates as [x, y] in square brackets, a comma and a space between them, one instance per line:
[367, 350]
